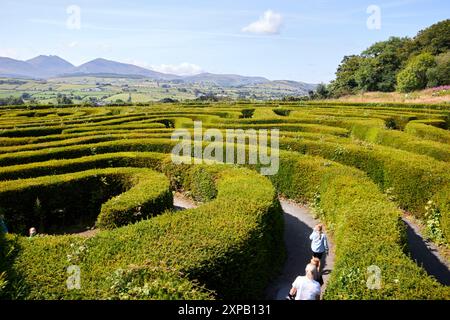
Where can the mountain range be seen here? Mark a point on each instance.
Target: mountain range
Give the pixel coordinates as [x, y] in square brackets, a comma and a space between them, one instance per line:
[45, 67]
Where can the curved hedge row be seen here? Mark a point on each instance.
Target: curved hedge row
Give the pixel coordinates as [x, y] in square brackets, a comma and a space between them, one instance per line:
[400, 140]
[412, 179]
[83, 197]
[428, 132]
[183, 255]
[231, 245]
[366, 228]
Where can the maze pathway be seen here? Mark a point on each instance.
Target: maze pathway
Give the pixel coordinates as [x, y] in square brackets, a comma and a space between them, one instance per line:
[298, 225]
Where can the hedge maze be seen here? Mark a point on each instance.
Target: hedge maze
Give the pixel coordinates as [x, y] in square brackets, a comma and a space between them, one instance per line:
[64, 169]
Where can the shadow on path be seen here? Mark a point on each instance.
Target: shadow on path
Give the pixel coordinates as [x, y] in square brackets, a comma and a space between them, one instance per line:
[426, 255]
[298, 225]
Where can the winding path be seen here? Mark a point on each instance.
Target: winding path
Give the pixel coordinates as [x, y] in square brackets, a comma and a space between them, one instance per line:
[425, 254]
[298, 225]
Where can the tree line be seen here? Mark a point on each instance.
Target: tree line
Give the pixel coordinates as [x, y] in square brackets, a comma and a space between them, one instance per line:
[398, 64]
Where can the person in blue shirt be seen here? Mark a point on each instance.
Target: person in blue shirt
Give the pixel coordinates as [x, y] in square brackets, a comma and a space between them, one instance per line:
[319, 243]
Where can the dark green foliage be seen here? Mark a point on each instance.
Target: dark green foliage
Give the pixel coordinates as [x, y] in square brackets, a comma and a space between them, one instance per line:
[63, 99]
[414, 75]
[399, 63]
[434, 39]
[346, 82]
[440, 74]
[11, 101]
[282, 112]
[247, 113]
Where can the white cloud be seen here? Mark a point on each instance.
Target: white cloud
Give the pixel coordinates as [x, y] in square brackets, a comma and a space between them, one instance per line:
[182, 69]
[72, 44]
[269, 23]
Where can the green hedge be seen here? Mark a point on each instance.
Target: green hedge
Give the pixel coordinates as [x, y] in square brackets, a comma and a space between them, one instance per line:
[401, 140]
[366, 228]
[410, 179]
[428, 132]
[231, 245]
[53, 203]
[121, 159]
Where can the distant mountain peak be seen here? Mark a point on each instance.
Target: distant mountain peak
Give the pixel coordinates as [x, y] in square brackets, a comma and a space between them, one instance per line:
[50, 66]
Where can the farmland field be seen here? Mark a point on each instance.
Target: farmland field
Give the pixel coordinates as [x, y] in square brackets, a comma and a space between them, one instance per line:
[69, 169]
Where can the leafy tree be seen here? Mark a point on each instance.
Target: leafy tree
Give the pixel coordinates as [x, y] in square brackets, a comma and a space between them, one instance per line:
[63, 99]
[345, 82]
[322, 91]
[414, 76]
[381, 66]
[26, 96]
[381, 63]
[440, 74]
[9, 101]
[435, 39]
[368, 74]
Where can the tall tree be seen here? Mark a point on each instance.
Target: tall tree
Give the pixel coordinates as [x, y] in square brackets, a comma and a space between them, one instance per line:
[414, 76]
[345, 82]
[435, 39]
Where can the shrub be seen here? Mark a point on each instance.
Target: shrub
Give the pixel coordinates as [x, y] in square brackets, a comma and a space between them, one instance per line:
[282, 112]
[414, 76]
[401, 140]
[247, 113]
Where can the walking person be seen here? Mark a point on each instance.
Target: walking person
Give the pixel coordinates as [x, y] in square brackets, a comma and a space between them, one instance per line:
[316, 261]
[305, 287]
[319, 243]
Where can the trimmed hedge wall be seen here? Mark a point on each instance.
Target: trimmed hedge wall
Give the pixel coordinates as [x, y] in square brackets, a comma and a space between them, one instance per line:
[232, 245]
[428, 132]
[366, 228]
[52, 203]
[401, 140]
[410, 179]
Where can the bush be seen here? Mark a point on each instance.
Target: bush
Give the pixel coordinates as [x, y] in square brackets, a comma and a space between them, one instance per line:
[401, 140]
[282, 112]
[414, 76]
[247, 113]
[412, 179]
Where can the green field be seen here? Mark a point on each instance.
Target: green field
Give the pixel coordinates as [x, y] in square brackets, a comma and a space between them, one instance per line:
[135, 90]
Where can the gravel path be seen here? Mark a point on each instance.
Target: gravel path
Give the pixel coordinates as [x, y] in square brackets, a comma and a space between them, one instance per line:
[298, 225]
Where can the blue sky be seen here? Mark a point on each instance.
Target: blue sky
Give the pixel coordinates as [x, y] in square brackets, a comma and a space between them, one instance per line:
[283, 39]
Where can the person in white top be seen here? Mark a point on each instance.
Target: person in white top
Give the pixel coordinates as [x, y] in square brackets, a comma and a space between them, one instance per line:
[306, 288]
